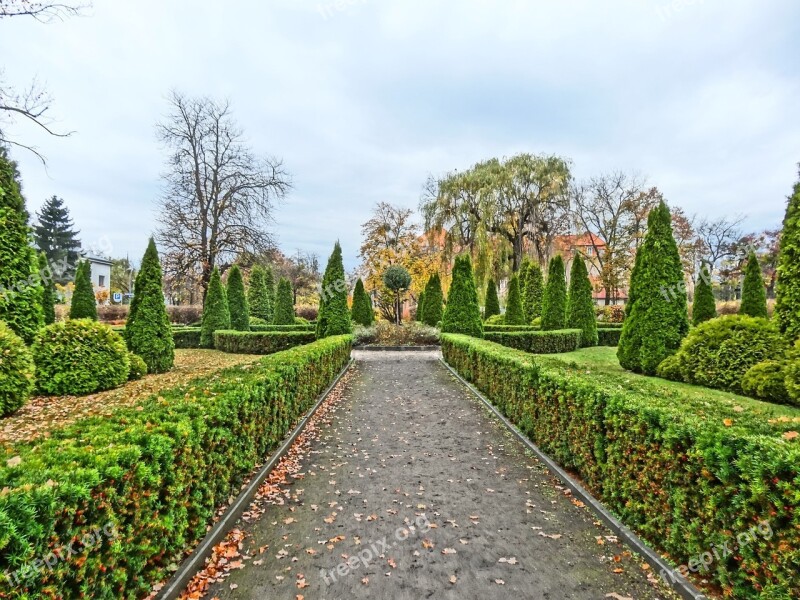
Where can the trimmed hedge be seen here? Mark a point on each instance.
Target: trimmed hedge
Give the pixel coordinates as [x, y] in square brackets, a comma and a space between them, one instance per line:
[156, 473]
[187, 337]
[608, 336]
[253, 342]
[664, 460]
[607, 325]
[297, 327]
[507, 328]
[539, 342]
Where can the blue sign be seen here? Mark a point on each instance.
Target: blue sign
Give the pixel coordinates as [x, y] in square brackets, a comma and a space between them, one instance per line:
[117, 297]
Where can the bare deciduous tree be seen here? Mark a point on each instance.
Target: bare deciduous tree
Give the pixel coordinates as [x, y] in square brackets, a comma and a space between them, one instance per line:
[41, 11]
[219, 196]
[718, 239]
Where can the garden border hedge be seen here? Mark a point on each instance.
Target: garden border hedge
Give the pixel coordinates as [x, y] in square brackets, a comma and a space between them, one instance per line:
[539, 342]
[608, 336]
[285, 328]
[186, 337]
[508, 328]
[260, 342]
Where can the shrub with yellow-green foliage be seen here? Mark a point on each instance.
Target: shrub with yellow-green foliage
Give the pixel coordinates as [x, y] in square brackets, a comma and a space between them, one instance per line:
[16, 371]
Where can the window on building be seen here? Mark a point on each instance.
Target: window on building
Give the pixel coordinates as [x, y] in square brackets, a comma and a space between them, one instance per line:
[102, 280]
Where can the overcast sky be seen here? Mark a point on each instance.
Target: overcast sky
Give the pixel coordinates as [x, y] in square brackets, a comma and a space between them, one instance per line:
[364, 98]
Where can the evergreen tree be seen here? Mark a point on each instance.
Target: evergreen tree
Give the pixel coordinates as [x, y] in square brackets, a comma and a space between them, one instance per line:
[271, 285]
[258, 296]
[420, 306]
[522, 275]
[492, 301]
[463, 313]
[434, 300]
[554, 299]
[148, 331]
[84, 304]
[704, 307]
[48, 290]
[787, 290]
[362, 312]
[533, 290]
[657, 316]
[580, 304]
[754, 294]
[216, 315]
[514, 312]
[56, 236]
[237, 301]
[284, 303]
[334, 316]
[20, 302]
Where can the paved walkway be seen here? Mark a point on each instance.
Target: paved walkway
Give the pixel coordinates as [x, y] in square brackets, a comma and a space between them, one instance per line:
[413, 490]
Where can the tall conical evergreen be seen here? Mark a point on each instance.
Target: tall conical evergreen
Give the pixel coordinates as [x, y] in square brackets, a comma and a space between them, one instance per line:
[522, 275]
[84, 304]
[420, 306]
[580, 304]
[48, 291]
[216, 315]
[56, 236]
[462, 313]
[554, 299]
[657, 315]
[704, 307]
[362, 312]
[237, 301]
[532, 291]
[334, 316]
[492, 301]
[272, 288]
[434, 300]
[787, 290]
[258, 295]
[754, 294]
[20, 303]
[284, 303]
[148, 331]
[514, 312]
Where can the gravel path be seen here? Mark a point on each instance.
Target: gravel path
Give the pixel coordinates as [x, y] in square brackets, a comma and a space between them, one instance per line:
[412, 490]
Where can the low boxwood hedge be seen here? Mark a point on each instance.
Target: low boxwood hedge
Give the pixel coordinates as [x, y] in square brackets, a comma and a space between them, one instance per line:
[687, 474]
[295, 327]
[609, 325]
[145, 482]
[539, 342]
[186, 337]
[507, 328]
[609, 336]
[267, 342]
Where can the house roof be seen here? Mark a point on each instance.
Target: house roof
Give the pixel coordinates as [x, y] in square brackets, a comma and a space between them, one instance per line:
[584, 240]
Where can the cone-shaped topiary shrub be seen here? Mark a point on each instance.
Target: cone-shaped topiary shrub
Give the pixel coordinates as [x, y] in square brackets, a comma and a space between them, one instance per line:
[656, 315]
[48, 290]
[787, 290]
[79, 356]
[704, 307]
[237, 301]
[215, 311]
[362, 313]
[148, 331]
[754, 294]
[284, 304]
[334, 315]
[420, 306]
[272, 290]
[434, 300]
[514, 313]
[532, 288]
[492, 307]
[554, 299]
[16, 371]
[462, 313]
[580, 304]
[84, 304]
[259, 298]
[20, 289]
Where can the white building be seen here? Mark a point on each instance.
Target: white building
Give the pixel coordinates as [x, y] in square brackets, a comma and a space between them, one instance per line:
[100, 271]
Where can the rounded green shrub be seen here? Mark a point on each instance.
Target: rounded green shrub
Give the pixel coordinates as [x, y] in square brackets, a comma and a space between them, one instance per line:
[496, 320]
[670, 368]
[237, 301]
[492, 307]
[16, 371]
[767, 381]
[79, 356]
[258, 321]
[719, 352]
[514, 313]
[792, 372]
[138, 368]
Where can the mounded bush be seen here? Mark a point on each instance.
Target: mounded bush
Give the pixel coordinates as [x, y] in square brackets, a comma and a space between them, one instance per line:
[554, 300]
[237, 301]
[787, 288]
[608, 336]
[216, 314]
[767, 381]
[79, 356]
[362, 312]
[496, 320]
[257, 321]
[514, 313]
[754, 294]
[284, 304]
[792, 379]
[433, 309]
[539, 342]
[462, 314]
[704, 307]
[252, 342]
[83, 304]
[580, 304]
[670, 368]
[138, 368]
[16, 371]
[492, 307]
[259, 298]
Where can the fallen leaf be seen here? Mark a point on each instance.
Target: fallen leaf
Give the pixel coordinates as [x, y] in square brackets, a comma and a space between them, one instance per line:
[449, 551]
[790, 435]
[453, 579]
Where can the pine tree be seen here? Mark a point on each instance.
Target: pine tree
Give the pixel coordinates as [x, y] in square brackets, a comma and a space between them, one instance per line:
[434, 300]
[237, 301]
[657, 315]
[787, 290]
[514, 312]
[334, 316]
[258, 296]
[420, 306]
[20, 302]
[463, 313]
[754, 294]
[362, 312]
[55, 235]
[533, 290]
[580, 304]
[216, 315]
[84, 304]
[148, 331]
[554, 299]
[284, 303]
[704, 307]
[271, 285]
[492, 301]
[48, 290]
